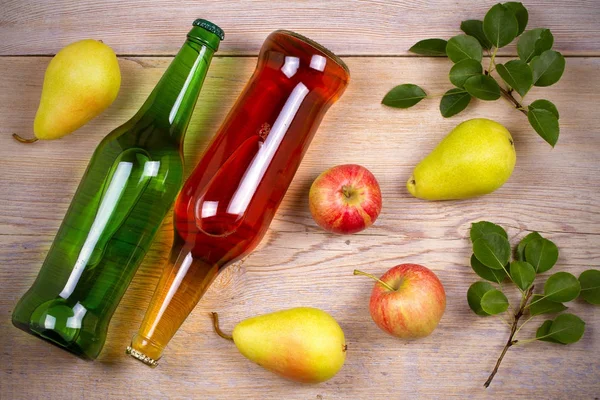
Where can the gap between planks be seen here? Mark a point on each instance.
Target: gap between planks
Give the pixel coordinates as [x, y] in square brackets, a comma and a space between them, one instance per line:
[416, 56]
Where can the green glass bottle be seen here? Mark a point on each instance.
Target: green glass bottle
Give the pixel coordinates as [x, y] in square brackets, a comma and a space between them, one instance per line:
[129, 186]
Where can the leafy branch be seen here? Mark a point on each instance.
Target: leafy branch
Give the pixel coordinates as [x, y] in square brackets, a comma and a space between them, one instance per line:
[513, 331]
[508, 96]
[538, 65]
[534, 255]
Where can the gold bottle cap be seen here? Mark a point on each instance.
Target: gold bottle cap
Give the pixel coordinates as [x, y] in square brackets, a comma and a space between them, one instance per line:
[141, 357]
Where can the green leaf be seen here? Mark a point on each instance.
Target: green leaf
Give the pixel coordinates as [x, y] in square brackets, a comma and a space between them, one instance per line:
[567, 328]
[404, 96]
[430, 47]
[517, 74]
[500, 25]
[520, 13]
[545, 42]
[482, 228]
[522, 274]
[533, 43]
[494, 302]
[463, 70]
[474, 295]
[562, 287]
[454, 101]
[474, 27]
[524, 242]
[545, 123]
[493, 250]
[543, 332]
[548, 67]
[462, 47]
[483, 87]
[542, 254]
[545, 105]
[590, 286]
[493, 275]
[540, 305]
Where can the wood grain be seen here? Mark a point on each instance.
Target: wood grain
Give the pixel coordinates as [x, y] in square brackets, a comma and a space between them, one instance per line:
[368, 27]
[554, 191]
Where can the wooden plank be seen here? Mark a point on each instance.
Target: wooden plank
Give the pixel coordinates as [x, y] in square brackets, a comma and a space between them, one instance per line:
[554, 191]
[347, 27]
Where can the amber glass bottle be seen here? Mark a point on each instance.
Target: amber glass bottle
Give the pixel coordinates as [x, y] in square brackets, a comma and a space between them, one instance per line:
[228, 202]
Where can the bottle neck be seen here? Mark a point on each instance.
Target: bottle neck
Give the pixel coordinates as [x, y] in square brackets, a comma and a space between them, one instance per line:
[184, 280]
[172, 101]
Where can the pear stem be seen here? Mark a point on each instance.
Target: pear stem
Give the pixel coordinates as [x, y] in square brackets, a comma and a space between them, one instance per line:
[387, 286]
[215, 318]
[23, 140]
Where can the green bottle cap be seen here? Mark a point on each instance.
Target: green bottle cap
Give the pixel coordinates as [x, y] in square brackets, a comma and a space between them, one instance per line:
[209, 26]
[207, 32]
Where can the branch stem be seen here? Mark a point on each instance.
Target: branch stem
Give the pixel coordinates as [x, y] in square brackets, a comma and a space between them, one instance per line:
[508, 96]
[511, 279]
[522, 342]
[513, 330]
[523, 324]
[533, 302]
[492, 59]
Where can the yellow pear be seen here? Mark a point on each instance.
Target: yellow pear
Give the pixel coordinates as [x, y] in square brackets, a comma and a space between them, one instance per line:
[81, 81]
[302, 344]
[476, 158]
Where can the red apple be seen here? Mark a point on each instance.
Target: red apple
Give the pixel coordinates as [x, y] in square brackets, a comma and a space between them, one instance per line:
[345, 199]
[408, 301]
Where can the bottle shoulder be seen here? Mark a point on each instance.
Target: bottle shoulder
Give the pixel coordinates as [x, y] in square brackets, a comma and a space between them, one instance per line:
[130, 154]
[144, 133]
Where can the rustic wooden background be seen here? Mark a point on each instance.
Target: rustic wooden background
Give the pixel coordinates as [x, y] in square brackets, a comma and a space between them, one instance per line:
[554, 191]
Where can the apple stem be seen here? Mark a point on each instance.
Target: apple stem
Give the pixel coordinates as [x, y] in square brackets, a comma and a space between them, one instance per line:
[387, 286]
[346, 191]
[23, 140]
[215, 318]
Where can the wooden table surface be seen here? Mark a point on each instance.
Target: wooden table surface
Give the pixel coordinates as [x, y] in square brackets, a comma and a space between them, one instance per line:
[554, 191]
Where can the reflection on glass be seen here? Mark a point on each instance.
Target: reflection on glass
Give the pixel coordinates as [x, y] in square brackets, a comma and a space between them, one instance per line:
[229, 200]
[105, 211]
[129, 186]
[254, 174]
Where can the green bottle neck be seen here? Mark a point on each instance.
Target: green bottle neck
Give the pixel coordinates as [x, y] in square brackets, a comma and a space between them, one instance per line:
[172, 101]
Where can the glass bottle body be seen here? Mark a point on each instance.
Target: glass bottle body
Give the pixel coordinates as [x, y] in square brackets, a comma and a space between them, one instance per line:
[226, 205]
[129, 186]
